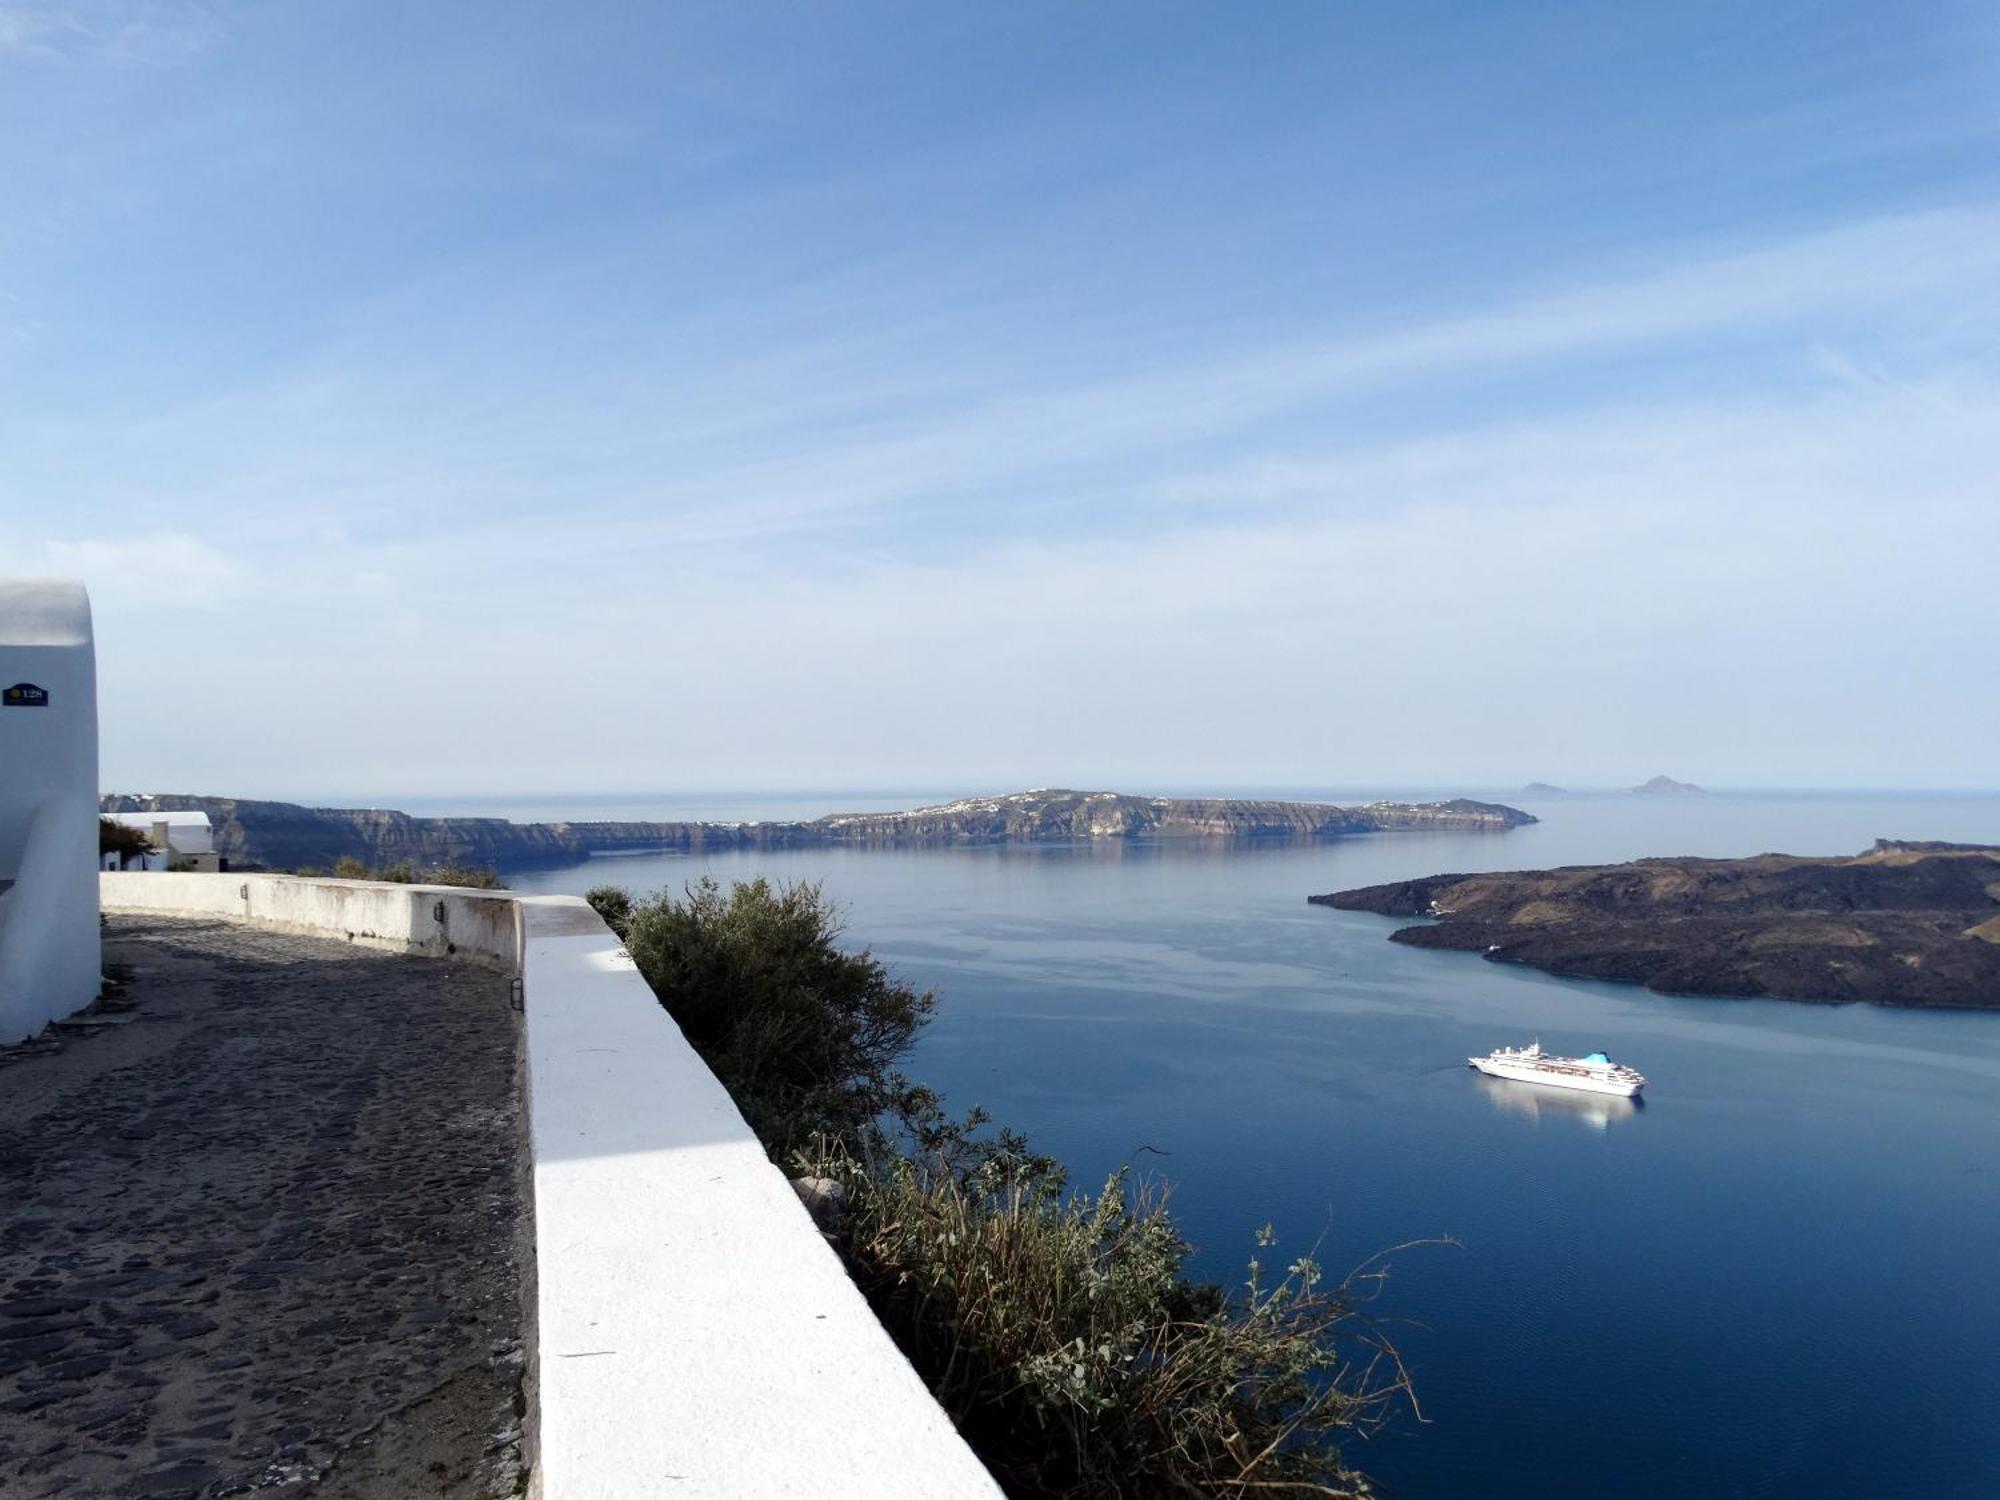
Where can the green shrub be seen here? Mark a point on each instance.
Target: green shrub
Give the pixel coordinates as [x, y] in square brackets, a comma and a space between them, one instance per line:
[1063, 1338]
[347, 867]
[470, 876]
[801, 1034]
[127, 842]
[1059, 1330]
[614, 904]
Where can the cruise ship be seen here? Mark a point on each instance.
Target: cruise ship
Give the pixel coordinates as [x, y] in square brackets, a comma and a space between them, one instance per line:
[1594, 1073]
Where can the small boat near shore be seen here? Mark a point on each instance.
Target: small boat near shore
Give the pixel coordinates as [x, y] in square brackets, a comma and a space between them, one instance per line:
[1594, 1073]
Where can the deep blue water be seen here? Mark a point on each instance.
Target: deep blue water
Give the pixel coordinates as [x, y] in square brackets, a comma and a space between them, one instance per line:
[1776, 1277]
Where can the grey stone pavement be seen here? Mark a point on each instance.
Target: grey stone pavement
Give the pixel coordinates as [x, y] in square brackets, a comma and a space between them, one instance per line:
[261, 1234]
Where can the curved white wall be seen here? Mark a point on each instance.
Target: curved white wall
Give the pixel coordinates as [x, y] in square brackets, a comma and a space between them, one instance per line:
[49, 954]
[693, 1335]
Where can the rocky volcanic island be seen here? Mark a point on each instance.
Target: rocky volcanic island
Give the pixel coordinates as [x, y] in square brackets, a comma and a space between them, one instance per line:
[1902, 924]
[284, 835]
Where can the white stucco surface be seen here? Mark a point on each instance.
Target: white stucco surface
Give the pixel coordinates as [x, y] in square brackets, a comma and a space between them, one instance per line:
[434, 919]
[693, 1335]
[674, 1258]
[49, 947]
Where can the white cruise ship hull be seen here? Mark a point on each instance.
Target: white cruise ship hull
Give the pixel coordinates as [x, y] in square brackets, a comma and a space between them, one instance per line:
[1589, 1082]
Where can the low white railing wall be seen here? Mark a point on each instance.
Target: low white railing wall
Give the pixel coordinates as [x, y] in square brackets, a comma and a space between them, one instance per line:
[690, 1332]
[434, 919]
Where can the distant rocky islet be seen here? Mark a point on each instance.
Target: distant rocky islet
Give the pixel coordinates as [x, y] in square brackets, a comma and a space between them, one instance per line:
[1658, 786]
[1906, 923]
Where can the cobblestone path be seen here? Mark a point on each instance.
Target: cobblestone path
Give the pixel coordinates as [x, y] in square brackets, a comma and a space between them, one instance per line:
[261, 1237]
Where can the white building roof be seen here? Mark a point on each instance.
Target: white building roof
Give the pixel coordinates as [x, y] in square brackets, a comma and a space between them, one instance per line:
[188, 819]
[44, 612]
[187, 832]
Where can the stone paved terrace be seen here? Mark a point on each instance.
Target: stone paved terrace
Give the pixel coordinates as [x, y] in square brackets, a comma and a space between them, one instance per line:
[260, 1236]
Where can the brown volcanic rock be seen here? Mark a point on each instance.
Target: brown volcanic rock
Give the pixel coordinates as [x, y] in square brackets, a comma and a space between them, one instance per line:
[285, 835]
[1903, 924]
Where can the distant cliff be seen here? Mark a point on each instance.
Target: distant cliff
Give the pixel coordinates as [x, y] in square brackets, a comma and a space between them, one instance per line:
[1907, 923]
[1042, 816]
[284, 835]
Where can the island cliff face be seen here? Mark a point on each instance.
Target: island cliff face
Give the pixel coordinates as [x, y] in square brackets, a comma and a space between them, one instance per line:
[285, 835]
[1044, 816]
[1903, 924]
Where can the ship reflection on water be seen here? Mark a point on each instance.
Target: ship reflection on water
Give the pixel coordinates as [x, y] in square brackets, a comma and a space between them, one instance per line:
[1536, 1102]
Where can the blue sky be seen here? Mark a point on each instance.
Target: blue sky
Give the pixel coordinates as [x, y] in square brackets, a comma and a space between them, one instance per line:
[492, 398]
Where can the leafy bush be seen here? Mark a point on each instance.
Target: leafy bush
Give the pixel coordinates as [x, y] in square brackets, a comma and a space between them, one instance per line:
[122, 839]
[614, 904]
[471, 876]
[1059, 1330]
[1063, 1338]
[801, 1034]
[404, 873]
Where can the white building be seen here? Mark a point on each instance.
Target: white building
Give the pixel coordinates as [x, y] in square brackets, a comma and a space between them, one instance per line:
[181, 841]
[49, 951]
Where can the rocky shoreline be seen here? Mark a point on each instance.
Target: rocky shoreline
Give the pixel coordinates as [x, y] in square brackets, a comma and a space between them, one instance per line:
[1906, 923]
[285, 835]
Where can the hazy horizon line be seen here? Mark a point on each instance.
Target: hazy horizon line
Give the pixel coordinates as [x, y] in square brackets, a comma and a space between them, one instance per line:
[882, 795]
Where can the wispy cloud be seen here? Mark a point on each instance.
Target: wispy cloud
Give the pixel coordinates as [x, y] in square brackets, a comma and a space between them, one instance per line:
[1918, 286]
[1650, 571]
[35, 29]
[1928, 275]
[798, 444]
[124, 31]
[159, 570]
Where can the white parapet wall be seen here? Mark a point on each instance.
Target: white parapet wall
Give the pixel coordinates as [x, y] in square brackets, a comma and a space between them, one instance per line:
[434, 919]
[49, 953]
[693, 1335]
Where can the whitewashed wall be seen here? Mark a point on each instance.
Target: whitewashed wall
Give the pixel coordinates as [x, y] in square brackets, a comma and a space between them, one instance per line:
[693, 1335]
[49, 956]
[434, 919]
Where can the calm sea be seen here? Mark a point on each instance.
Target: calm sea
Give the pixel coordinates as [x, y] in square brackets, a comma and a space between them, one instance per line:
[1776, 1277]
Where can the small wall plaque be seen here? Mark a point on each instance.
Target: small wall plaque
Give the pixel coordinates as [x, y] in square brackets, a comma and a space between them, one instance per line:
[25, 695]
